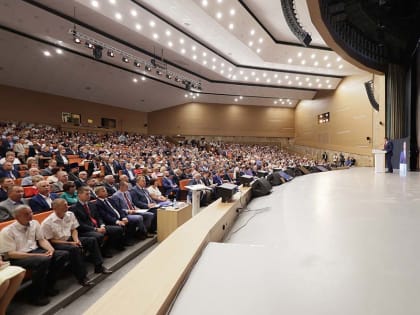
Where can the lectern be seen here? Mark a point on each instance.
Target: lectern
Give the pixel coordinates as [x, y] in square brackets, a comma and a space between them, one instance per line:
[196, 192]
[379, 160]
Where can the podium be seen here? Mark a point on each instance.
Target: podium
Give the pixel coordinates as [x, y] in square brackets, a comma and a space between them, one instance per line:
[379, 160]
[170, 218]
[196, 190]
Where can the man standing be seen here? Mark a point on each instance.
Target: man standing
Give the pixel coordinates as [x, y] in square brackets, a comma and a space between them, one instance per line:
[388, 147]
[25, 246]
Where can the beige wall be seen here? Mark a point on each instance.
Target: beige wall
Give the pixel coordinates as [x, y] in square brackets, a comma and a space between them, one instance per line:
[224, 120]
[352, 118]
[24, 105]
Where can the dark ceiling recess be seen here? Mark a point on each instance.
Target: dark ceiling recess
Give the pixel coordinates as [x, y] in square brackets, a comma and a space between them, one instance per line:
[375, 32]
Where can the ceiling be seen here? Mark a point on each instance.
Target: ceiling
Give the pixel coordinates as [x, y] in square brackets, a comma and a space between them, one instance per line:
[239, 52]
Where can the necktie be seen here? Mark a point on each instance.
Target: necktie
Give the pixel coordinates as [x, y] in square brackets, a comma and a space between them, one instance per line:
[146, 193]
[130, 206]
[90, 217]
[112, 208]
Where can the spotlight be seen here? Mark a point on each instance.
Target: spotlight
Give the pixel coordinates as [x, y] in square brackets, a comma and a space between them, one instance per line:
[158, 72]
[148, 68]
[77, 40]
[178, 79]
[137, 64]
[97, 52]
[125, 59]
[169, 75]
[89, 45]
[110, 53]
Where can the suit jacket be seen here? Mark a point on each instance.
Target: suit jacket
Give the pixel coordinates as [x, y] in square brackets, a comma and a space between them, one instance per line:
[7, 207]
[388, 147]
[86, 225]
[139, 197]
[38, 203]
[132, 181]
[120, 201]
[3, 173]
[167, 186]
[60, 160]
[76, 180]
[108, 215]
[108, 169]
[217, 180]
[110, 189]
[3, 194]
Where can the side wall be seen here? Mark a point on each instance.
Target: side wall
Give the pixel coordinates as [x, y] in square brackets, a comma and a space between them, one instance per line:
[24, 105]
[354, 127]
[223, 120]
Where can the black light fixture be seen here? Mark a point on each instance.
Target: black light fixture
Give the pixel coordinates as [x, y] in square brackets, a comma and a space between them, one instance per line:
[77, 40]
[97, 52]
[110, 53]
[290, 15]
[169, 75]
[148, 68]
[158, 72]
[178, 79]
[137, 64]
[89, 45]
[125, 59]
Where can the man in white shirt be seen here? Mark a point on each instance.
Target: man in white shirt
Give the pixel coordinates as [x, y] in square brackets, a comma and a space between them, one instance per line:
[24, 245]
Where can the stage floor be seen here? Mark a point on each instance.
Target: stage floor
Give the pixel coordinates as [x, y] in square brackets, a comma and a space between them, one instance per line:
[340, 242]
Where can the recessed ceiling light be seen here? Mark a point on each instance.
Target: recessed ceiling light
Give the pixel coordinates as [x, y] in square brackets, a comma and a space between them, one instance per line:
[234, 77]
[94, 4]
[258, 50]
[219, 15]
[112, 1]
[275, 102]
[340, 67]
[297, 78]
[47, 53]
[299, 54]
[204, 3]
[181, 41]
[183, 51]
[222, 64]
[204, 62]
[138, 26]
[136, 63]
[155, 36]
[328, 65]
[246, 78]
[135, 80]
[264, 74]
[257, 79]
[290, 60]
[260, 40]
[307, 79]
[230, 69]
[303, 61]
[300, 83]
[222, 71]
[316, 63]
[143, 78]
[168, 33]
[118, 16]
[194, 57]
[152, 23]
[219, 1]
[59, 51]
[327, 81]
[329, 86]
[253, 73]
[235, 99]
[276, 75]
[317, 80]
[268, 80]
[290, 82]
[213, 67]
[286, 77]
[250, 43]
[338, 59]
[193, 48]
[320, 85]
[232, 12]
[278, 81]
[170, 44]
[231, 26]
[313, 56]
[133, 12]
[310, 84]
[252, 32]
[213, 59]
[326, 58]
[186, 95]
[204, 54]
[240, 97]
[241, 72]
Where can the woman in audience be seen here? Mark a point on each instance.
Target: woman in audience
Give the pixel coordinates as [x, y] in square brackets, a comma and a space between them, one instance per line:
[155, 193]
[70, 193]
[10, 280]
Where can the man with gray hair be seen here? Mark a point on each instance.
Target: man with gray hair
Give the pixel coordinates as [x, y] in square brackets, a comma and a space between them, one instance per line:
[24, 245]
[14, 199]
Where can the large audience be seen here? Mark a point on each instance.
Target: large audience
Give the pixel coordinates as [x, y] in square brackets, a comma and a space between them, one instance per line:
[104, 191]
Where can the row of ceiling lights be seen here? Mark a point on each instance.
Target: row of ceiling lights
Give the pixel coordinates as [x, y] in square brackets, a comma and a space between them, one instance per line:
[212, 63]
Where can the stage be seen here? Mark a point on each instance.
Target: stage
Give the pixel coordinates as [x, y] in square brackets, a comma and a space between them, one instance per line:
[338, 242]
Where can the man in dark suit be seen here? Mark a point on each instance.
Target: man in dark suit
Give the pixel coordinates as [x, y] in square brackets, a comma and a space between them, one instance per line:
[169, 187]
[142, 199]
[388, 147]
[91, 224]
[109, 183]
[129, 171]
[7, 170]
[42, 201]
[5, 183]
[112, 215]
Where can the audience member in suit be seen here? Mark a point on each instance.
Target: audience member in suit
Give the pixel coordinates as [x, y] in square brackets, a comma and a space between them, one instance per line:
[48, 171]
[7, 170]
[61, 158]
[112, 215]
[14, 199]
[110, 167]
[169, 187]
[122, 199]
[218, 178]
[69, 193]
[11, 157]
[91, 184]
[109, 183]
[63, 178]
[5, 183]
[43, 200]
[124, 178]
[44, 156]
[25, 245]
[227, 178]
[27, 180]
[91, 223]
[60, 228]
[141, 199]
[205, 195]
[6, 145]
[129, 171]
[73, 175]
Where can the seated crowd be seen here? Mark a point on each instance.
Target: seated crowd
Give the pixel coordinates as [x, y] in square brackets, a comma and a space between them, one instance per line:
[109, 198]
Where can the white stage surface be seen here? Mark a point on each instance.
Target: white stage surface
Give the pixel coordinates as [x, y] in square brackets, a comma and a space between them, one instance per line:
[339, 242]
